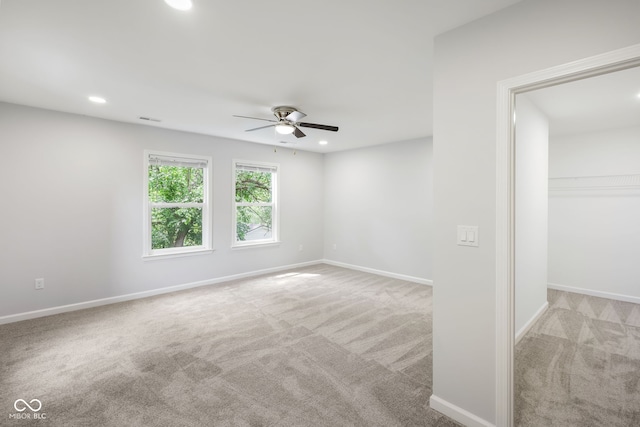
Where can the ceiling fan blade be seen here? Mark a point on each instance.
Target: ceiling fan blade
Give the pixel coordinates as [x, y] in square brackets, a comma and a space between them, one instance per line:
[317, 126]
[298, 133]
[255, 118]
[261, 127]
[294, 116]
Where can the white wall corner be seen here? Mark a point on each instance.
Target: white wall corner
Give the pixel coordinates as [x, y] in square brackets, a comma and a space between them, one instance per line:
[458, 414]
[398, 276]
[525, 328]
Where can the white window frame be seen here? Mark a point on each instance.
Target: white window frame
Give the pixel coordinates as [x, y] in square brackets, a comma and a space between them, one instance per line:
[206, 247]
[275, 214]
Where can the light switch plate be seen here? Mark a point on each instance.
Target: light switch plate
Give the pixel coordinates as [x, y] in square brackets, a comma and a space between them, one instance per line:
[468, 235]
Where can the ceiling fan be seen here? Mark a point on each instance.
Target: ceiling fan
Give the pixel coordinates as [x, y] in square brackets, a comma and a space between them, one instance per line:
[288, 122]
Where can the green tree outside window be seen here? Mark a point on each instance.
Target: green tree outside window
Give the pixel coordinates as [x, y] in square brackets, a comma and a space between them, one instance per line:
[255, 204]
[176, 226]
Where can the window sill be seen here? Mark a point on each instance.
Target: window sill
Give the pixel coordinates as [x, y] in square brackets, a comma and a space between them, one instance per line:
[177, 254]
[255, 245]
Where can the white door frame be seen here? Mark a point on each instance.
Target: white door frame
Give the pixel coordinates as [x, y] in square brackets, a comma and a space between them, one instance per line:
[505, 196]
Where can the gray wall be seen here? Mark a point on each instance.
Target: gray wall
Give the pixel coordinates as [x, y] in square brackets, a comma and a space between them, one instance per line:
[379, 208]
[470, 60]
[72, 209]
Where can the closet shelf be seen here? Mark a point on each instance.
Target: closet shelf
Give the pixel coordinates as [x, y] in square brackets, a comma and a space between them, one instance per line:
[608, 182]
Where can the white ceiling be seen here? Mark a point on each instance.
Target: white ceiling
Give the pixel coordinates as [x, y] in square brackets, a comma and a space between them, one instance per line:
[608, 101]
[365, 66]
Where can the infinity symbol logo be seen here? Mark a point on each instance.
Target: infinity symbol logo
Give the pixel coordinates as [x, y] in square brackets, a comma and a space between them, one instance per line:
[26, 405]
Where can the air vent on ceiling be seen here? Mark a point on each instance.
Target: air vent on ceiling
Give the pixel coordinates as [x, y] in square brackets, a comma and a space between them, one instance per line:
[149, 119]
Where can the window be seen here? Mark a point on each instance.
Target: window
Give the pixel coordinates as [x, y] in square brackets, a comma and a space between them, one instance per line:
[176, 208]
[255, 203]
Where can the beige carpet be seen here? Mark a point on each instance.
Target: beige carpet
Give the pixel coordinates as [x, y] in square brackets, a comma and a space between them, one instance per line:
[319, 346]
[580, 364]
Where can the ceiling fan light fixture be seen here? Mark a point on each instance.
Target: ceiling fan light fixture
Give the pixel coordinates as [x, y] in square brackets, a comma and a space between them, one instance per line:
[180, 4]
[285, 128]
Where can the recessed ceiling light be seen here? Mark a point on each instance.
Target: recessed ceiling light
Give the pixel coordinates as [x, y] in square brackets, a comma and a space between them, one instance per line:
[97, 99]
[323, 142]
[180, 4]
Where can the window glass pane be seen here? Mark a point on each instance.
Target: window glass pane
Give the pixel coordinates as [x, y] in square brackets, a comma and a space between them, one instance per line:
[253, 223]
[253, 187]
[176, 184]
[176, 227]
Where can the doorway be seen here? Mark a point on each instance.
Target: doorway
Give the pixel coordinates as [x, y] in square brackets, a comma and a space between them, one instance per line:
[505, 207]
[577, 188]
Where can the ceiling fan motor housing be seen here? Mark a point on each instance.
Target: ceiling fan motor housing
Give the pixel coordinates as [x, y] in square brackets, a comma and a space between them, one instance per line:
[282, 112]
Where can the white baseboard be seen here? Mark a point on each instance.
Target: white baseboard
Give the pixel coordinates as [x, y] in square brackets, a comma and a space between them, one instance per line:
[380, 272]
[601, 294]
[522, 332]
[137, 295]
[456, 413]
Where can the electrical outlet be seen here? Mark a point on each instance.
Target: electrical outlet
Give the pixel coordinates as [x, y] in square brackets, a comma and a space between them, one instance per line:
[300, 247]
[335, 247]
[39, 284]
